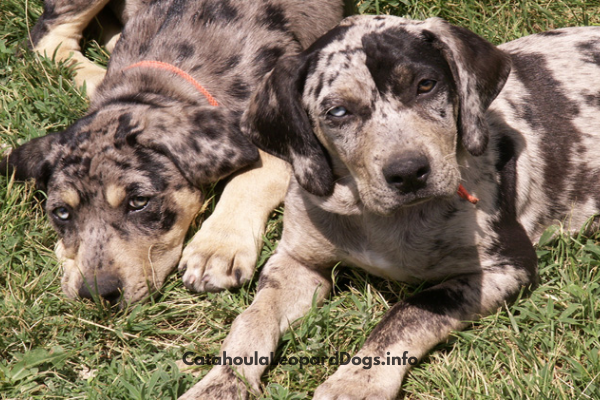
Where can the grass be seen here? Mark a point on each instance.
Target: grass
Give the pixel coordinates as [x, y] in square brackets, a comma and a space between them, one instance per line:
[543, 346]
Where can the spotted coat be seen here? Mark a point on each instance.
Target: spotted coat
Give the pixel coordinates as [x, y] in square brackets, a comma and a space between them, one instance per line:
[382, 119]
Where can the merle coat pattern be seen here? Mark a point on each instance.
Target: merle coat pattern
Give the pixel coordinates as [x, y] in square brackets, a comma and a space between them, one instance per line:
[389, 116]
[125, 181]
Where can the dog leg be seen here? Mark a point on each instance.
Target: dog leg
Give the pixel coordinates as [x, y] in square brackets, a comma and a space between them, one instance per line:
[58, 32]
[285, 293]
[413, 327]
[223, 253]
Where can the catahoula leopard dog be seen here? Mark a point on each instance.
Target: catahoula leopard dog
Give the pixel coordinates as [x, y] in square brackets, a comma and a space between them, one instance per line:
[395, 128]
[125, 181]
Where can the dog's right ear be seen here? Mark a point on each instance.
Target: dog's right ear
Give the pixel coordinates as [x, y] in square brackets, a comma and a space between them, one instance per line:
[277, 123]
[35, 159]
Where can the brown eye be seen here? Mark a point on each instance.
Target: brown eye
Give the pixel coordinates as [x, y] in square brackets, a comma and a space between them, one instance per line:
[138, 202]
[426, 86]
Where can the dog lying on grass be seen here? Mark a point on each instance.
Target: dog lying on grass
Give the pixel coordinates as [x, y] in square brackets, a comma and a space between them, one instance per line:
[125, 181]
[420, 152]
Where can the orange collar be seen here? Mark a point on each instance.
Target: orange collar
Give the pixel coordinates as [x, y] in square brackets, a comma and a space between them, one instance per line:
[171, 68]
[462, 192]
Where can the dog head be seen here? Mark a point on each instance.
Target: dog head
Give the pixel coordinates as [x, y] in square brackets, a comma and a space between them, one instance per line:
[123, 185]
[388, 101]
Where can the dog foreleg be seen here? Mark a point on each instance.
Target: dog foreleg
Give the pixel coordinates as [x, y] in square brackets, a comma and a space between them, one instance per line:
[58, 32]
[411, 328]
[285, 293]
[223, 253]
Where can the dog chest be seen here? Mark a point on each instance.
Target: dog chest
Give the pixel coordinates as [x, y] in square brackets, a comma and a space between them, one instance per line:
[431, 249]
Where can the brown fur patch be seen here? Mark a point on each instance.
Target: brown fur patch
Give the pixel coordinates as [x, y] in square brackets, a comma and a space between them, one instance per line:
[70, 197]
[115, 195]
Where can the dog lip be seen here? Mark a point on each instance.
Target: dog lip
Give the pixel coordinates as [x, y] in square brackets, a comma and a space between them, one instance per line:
[418, 200]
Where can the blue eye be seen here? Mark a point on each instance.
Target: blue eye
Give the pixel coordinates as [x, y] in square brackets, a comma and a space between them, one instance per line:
[338, 111]
[61, 213]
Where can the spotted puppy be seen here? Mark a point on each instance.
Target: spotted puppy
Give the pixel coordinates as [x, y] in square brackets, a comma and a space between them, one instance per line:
[384, 119]
[125, 181]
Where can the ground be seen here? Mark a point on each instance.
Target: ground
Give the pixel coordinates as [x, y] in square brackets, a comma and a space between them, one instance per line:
[543, 346]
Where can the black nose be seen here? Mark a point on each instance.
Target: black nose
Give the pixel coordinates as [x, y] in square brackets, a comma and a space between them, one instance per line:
[407, 172]
[108, 287]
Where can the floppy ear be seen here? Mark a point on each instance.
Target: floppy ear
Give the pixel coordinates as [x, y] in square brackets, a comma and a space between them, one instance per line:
[480, 71]
[35, 159]
[209, 147]
[277, 123]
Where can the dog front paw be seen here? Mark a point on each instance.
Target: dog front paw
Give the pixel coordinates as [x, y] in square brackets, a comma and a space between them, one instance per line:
[219, 257]
[219, 384]
[353, 385]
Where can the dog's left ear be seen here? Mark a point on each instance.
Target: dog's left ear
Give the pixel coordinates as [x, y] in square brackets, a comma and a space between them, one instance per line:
[480, 71]
[277, 123]
[35, 159]
[209, 147]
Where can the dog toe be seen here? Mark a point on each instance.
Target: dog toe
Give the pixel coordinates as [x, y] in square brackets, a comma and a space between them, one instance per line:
[218, 262]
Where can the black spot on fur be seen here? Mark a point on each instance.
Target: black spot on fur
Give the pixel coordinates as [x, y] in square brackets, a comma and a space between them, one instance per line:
[149, 164]
[392, 49]
[122, 165]
[512, 242]
[274, 18]
[550, 113]
[222, 11]
[590, 51]
[334, 35]
[229, 64]
[143, 48]
[173, 13]
[426, 310]
[168, 218]
[239, 88]
[552, 33]
[593, 100]
[267, 56]
[126, 132]
[319, 87]
[118, 227]
[266, 282]
[185, 51]
[209, 123]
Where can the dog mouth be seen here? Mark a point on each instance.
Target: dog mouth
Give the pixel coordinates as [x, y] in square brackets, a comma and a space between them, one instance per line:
[387, 201]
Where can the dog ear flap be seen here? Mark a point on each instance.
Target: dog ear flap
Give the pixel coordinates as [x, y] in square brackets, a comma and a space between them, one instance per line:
[35, 159]
[210, 148]
[480, 71]
[277, 123]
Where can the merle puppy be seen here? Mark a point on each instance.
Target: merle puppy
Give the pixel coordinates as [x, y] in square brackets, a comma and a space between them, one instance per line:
[384, 120]
[125, 181]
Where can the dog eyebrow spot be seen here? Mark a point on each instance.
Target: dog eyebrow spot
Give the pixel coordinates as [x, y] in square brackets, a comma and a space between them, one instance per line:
[70, 197]
[115, 195]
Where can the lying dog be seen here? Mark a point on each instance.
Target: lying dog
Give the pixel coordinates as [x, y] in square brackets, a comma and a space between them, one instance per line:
[384, 119]
[124, 182]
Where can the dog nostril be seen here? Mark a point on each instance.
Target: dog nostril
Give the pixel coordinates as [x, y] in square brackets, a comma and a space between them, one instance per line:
[395, 180]
[112, 297]
[423, 172]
